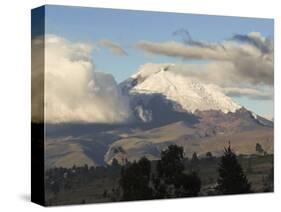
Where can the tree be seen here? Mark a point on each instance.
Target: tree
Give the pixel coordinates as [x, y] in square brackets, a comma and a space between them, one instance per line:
[194, 162]
[171, 163]
[160, 188]
[135, 180]
[115, 163]
[188, 185]
[194, 158]
[171, 180]
[232, 179]
[268, 181]
[209, 155]
[259, 148]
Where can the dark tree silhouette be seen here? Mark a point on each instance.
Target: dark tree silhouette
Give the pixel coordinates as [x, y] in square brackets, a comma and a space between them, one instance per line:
[171, 164]
[115, 163]
[209, 155]
[187, 185]
[171, 180]
[259, 148]
[268, 181]
[135, 180]
[194, 158]
[232, 179]
[194, 163]
[160, 188]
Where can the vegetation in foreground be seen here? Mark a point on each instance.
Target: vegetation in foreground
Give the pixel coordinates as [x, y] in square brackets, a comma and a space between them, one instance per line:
[173, 176]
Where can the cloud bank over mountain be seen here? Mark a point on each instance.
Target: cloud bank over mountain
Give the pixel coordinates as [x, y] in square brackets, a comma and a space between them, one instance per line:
[74, 91]
[241, 66]
[243, 63]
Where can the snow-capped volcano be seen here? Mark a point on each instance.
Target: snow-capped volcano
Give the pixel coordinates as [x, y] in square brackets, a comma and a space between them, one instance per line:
[190, 94]
[167, 108]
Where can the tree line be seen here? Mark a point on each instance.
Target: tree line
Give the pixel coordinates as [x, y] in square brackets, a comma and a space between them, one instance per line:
[169, 180]
[172, 176]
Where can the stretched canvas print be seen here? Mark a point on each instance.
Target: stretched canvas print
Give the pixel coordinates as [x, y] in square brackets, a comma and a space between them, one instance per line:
[139, 105]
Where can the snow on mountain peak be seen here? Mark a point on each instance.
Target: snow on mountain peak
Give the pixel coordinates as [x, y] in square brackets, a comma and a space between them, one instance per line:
[189, 93]
[150, 69]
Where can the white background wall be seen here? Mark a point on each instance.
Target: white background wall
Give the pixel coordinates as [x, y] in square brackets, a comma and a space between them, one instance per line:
[15, 104]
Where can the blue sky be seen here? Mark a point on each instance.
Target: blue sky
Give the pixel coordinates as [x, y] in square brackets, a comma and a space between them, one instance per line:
[128, 27]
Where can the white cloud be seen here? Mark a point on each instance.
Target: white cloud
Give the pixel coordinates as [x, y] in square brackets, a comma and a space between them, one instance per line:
[224, 75]
[244, 62]
[247, 58]
[74, 92]
[37, 87]
[248, 92]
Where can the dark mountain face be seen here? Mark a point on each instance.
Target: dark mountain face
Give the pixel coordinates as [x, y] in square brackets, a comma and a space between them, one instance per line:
[154, 110]
[199, 132]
